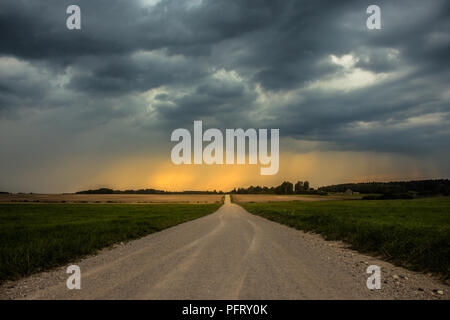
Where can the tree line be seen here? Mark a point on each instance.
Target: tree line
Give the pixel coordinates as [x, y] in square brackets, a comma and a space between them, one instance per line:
[144, 191]
[301, 187]
[421, 187]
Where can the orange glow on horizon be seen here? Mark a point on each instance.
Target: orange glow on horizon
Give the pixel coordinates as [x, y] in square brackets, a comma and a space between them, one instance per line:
[319, 168]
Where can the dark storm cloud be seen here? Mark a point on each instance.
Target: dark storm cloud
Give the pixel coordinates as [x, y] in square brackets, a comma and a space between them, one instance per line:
[237, 63]
[135, 73]
[37, 30]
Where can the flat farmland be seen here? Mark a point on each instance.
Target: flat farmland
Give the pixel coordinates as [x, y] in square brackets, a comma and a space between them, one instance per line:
[410, 233]
[112, 198]
[257, 198]
[40, 236]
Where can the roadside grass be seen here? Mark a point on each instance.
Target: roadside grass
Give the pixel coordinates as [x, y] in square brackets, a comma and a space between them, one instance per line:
[37, 237]
[411, 233]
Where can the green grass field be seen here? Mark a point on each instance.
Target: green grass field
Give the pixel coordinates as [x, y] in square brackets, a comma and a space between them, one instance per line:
[411, 233]
[35, 237]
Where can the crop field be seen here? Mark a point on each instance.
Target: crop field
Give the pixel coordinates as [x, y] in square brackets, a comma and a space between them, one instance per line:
[410, 233]
[248, 198]
[36, 236]
[112, 198]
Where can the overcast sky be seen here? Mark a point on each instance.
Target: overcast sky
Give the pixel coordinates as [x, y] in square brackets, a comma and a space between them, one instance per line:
[95, 107]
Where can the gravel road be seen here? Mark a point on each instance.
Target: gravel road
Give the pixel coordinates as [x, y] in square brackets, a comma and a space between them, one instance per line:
[230, 254]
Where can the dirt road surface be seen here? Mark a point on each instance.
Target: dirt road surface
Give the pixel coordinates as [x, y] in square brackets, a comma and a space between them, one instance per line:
[229, 254]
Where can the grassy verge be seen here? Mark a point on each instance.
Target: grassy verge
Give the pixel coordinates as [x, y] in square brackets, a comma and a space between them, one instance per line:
[411, 233]
[35, 237]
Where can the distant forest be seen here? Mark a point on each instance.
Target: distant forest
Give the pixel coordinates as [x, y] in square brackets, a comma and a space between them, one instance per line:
[421, 187]
[301, 187]
[143, 191]
[398, 189]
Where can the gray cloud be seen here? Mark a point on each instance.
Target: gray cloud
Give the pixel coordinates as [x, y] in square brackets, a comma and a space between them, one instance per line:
[311, 69]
